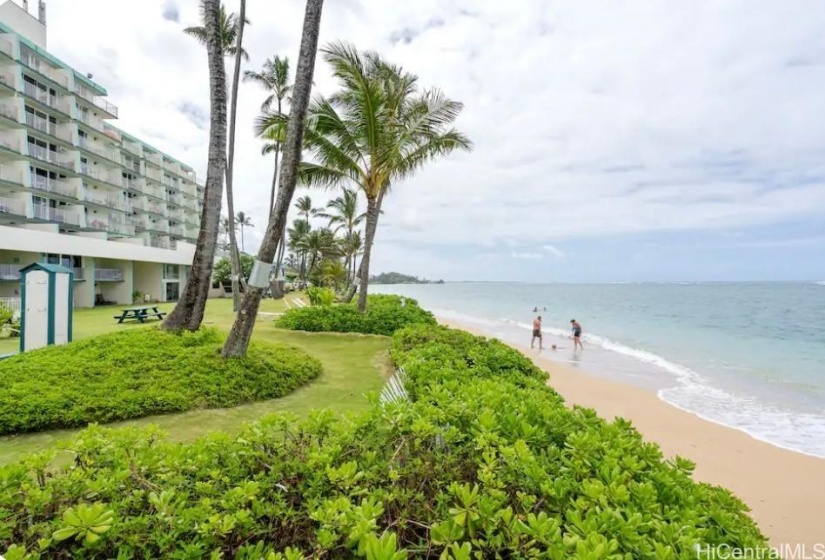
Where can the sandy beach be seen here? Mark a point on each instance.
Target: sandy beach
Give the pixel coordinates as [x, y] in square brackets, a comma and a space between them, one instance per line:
[784, 489]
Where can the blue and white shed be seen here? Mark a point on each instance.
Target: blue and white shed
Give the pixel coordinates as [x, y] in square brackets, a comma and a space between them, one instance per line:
[45, 306]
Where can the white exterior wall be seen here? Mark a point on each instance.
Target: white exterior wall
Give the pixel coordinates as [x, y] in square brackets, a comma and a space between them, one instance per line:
[149, 280]
[17, 239]
[24, 22]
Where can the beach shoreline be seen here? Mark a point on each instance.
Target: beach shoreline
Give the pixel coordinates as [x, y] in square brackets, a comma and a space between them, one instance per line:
[785, 489]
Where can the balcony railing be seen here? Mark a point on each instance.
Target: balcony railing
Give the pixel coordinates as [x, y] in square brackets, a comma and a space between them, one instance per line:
[108, 201]
[106, 106]
[10, 113]
[122, 228]
[133, 149]
[6, 49]
[10, 145]
[47, 127]
[159, 242]
[108, 275]
[11, 176]
[10, 271]
[157, 226]
[111, 155]
[55, 186]
[43, 154]
[154, 208]
[12, 206]
[101, 176]
[133, 184]
[55, 215]
[178, 231]
[8, 79]
[93, 122]
[42, 96]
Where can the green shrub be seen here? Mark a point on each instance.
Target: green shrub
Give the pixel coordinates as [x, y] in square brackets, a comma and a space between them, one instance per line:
[385, 315]
[138, 373]
[6, 315]
[320, 296]
[484, 462]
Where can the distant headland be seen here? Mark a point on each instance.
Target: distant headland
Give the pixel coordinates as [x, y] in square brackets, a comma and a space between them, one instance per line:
[398, 278]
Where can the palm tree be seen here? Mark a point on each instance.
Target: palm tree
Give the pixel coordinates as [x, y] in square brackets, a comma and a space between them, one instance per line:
[344, 212]
[351, 246]
[318, 245]
[274, 77]
[238, 340]
[297, 234]
[243, 221]
[379, 129]
[229, 31]
[305, 209]
[188, 313]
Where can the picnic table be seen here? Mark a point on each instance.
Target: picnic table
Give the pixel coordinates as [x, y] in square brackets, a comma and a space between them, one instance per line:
[139, 314]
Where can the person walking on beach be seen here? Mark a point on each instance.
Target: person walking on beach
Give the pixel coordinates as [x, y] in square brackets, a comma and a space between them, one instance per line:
[577, 334]
[536, 332]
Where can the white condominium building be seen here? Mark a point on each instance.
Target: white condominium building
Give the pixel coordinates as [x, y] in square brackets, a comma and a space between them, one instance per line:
[77, 191]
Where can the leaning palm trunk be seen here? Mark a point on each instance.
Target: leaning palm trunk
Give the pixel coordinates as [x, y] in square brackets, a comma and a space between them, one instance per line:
[230, 197]
[239, 336]
[188, 313]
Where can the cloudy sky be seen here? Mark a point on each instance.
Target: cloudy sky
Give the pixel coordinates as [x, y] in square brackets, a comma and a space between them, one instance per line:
[614, 140]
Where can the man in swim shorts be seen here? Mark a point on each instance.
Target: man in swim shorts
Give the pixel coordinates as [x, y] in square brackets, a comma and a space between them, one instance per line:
[536, 332]
[577, 334]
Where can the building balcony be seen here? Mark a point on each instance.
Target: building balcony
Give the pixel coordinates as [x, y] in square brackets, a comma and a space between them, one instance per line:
[10, 147]
[153, 158]
[12, 207]
[10, 272]
[46, 127]
[8, 80]
[132, 148]
[30, 60]
[8, 175]
[6, 49]
[41, 96]
[10, 116]
[157, 227]
[79, 274]
[154, 208]
[109, 155]
[89, 121]
[50, 156]
[134, 185]
[112, 202]
[177, 231]
[102, 104]
[59, 215]
[159, 242]
[101, 176]
[54, 186]
[108, 275]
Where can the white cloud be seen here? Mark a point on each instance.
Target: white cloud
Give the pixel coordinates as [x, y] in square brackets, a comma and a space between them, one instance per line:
[528, 256]
[589, 118]
[555, 251]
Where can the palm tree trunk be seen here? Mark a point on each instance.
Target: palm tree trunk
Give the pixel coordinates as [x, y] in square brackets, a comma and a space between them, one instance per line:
[230, 196]
[372, 225]
[188, 313]
[238, 340]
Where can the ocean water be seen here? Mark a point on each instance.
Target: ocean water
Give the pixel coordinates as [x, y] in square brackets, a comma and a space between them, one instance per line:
[747, 355]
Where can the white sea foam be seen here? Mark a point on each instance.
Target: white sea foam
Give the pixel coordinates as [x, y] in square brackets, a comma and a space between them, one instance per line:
[694, 393]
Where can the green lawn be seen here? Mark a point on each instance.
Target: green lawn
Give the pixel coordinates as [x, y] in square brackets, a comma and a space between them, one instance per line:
[353, 366]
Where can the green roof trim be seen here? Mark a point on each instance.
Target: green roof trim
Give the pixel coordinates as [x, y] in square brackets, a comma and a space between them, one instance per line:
[53, 59]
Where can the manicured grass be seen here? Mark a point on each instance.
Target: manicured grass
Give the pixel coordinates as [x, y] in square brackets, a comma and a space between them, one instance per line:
[353, 365]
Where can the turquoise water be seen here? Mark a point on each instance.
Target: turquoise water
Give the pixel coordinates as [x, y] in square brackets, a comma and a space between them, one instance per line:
[747, 355]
